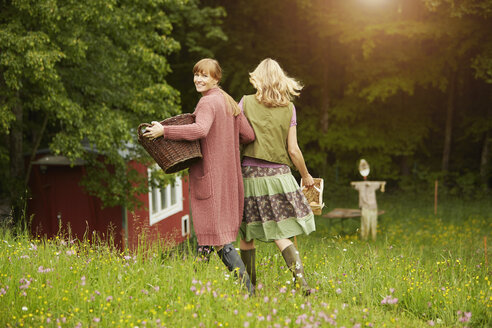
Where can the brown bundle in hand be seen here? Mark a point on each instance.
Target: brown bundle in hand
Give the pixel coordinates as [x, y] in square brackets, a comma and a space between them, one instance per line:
[314, 195]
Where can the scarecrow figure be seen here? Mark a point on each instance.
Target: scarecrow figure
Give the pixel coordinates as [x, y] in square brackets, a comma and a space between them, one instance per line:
[367, 201]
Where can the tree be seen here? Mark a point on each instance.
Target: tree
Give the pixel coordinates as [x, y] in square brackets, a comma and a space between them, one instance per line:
[78, 77]
[399, 83]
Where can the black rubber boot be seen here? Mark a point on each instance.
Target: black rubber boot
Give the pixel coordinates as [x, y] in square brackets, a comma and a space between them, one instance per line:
[293, 260]
[249, 257]
[233, 262]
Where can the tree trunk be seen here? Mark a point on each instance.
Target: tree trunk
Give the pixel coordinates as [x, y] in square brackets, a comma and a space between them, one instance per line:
[449, 123]
[16, 162]
[39, 137]
[404, 168]
[484, 162]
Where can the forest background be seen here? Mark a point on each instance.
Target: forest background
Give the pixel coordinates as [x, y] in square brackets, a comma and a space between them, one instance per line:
[405, 84]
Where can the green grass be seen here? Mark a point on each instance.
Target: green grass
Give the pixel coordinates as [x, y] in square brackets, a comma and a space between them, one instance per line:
[431, 267]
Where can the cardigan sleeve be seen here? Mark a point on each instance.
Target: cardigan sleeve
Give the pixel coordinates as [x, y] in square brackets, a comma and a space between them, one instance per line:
[204, 117]
[246, 132]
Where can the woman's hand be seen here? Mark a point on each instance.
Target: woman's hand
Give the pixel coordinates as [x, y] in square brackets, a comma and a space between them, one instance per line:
[154, 131]
[308, 181]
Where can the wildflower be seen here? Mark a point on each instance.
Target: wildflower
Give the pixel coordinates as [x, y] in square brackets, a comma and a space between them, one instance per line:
[82, 281]
[70, 252]
[24, 308]
[156, 288]
[24, 256]
[109, 298]
[392, 290]
[144, 291]
[246, 324]
[466, 317]
[41, 269]
[266, 299]
[338, 291]
[259, 287]
[24, 283]
[389, 300]
[431, 323]
[97, 292]
[96, 319]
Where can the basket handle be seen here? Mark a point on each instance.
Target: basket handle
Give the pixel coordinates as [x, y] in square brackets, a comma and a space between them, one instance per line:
[317, 189]
[140, 128]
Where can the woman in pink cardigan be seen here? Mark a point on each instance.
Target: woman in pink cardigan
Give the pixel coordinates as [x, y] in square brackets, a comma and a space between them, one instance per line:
[216, 183]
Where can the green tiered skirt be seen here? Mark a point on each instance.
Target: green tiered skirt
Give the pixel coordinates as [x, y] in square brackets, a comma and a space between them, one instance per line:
[274, 205]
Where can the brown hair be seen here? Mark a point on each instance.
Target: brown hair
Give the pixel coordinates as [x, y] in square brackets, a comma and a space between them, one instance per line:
[212, 68]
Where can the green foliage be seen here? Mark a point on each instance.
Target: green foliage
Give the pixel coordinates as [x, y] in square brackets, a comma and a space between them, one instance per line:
[96, 69]
[376, 78]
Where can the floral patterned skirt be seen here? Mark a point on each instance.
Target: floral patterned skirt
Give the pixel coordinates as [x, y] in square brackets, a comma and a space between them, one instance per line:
[274, 205]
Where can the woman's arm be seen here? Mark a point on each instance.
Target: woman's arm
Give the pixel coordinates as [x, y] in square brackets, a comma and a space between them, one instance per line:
[296, 156]
[204, 117]
[246, 132]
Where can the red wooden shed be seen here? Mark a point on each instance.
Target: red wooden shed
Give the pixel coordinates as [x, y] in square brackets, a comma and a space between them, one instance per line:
[57, 200]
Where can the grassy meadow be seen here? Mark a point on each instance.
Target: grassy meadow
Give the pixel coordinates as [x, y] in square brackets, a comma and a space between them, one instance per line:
[423, 270]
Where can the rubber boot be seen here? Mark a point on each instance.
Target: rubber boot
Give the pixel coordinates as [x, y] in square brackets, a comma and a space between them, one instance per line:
[249, 257]
[293, 260]
[233, 262]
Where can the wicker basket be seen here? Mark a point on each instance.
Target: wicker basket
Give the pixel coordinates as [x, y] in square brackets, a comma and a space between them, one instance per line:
[171, 155]
[314, 195]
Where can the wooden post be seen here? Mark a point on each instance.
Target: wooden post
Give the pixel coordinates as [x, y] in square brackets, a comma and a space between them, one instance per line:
[435, 198]
[485, 251]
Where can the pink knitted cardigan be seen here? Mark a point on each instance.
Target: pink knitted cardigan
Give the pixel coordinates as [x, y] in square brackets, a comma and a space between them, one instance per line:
[216, 184]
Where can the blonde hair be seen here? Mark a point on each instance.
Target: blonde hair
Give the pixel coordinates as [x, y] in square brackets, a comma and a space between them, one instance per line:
[273, 87]
[212, 68]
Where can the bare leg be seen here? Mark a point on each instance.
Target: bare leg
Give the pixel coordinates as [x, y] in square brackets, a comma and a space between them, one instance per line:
[283, 243]
[245, 245]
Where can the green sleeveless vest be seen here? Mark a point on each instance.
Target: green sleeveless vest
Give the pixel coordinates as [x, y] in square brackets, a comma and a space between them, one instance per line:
[271, 126]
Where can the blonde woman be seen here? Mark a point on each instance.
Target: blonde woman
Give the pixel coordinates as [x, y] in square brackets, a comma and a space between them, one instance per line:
[275, 208]
[216, 183]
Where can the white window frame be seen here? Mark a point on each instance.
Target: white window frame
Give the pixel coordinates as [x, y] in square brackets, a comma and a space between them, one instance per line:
[185, 225]
[160, 212]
